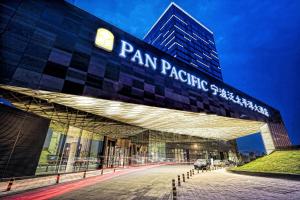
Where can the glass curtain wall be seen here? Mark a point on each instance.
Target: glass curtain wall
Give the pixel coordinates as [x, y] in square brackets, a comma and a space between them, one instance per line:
[53, 147]
[69, 149]
[183, 148]
[73, 149]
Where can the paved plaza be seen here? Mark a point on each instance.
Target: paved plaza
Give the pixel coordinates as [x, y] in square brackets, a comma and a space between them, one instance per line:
[224, 185]
[155, 183]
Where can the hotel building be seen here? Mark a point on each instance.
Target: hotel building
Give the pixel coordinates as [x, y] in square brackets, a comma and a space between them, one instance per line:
[80, 94]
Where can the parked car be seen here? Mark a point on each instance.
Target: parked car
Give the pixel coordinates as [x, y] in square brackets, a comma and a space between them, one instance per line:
[230, 163]
[218, 163]
[201, 164]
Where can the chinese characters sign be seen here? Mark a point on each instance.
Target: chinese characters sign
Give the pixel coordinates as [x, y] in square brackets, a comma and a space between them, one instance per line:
[230, 96]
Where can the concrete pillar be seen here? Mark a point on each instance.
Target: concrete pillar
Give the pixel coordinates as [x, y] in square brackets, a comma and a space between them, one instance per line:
[267, 138]
[206, 155]
[71, 157]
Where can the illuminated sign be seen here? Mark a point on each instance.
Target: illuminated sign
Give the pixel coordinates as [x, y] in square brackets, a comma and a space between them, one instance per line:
[164, 67]
[127, 50]
[104, 39]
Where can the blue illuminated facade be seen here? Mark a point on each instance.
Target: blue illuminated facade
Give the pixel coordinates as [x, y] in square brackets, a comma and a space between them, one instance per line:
[89, 95]
[182, 36]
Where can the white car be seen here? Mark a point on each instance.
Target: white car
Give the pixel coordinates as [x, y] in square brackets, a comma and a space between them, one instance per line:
[201, 163]
[217, 163]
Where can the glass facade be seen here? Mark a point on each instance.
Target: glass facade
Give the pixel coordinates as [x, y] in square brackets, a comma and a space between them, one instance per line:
[72, 149]
[179, 34]
[69, 149]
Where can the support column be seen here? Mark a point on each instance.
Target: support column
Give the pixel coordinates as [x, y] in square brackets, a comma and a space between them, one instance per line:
[267, 138]
[71, 158]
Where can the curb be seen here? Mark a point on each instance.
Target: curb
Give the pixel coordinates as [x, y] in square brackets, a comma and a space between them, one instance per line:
[294, 177]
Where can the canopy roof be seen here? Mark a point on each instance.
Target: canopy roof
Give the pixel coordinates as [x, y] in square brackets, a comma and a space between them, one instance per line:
[136, 118]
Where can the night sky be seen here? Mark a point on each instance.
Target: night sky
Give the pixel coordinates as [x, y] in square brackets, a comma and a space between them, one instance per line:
[258, 43]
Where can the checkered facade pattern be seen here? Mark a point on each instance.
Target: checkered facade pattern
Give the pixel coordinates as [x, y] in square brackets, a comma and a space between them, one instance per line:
[50, 46]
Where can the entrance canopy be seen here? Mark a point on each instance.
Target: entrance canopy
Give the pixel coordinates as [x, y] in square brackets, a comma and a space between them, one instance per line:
[141, 117]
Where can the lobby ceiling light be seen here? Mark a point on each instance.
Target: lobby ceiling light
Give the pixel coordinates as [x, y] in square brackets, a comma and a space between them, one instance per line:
[84, 100]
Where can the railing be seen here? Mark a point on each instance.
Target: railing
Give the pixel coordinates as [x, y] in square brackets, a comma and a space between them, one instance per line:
[24, 183]
[86, 164]
[292, 147]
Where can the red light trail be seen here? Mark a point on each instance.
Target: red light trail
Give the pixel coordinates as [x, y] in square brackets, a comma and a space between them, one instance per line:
[56, 190]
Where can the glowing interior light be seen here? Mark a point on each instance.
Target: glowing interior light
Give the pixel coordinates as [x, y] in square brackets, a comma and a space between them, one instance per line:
[87, 101]
[113, 108]
[137, 110]
[104, 39]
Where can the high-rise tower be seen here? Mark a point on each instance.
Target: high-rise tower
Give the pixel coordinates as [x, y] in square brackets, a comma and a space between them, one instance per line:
[179, 34]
